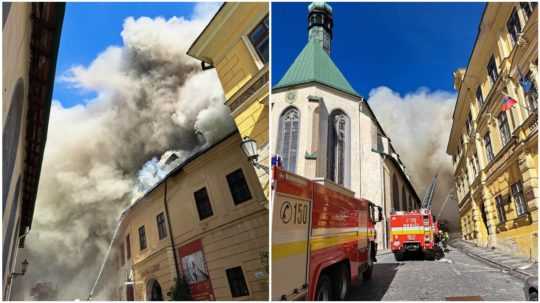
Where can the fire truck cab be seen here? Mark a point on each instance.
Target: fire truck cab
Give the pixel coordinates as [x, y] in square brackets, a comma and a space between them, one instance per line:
[414, 231]
[322, 238]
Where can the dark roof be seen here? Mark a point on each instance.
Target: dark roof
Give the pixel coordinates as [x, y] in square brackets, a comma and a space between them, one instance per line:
[47, 20]
[177, 169]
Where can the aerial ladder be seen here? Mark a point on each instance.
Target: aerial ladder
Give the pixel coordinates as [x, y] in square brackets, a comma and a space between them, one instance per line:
[430, 193]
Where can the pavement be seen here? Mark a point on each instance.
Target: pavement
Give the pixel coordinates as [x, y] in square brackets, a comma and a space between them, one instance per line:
[520, 267]
[456, 276]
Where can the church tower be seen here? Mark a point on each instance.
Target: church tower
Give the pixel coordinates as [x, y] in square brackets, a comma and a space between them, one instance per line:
[320, 24]
[324, 130]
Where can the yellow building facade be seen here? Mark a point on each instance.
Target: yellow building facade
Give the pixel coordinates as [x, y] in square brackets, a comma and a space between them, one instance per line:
[205, 222]
[235, 43]
[495, 150]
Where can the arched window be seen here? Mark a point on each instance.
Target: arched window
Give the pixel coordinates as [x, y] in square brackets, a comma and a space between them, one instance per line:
[289, 125]
[10, 138]
[395, 193]
[404, 198]
[315, 141]
[338, 148]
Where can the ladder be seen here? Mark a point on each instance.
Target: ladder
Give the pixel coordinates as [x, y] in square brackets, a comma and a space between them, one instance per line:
[430, 193]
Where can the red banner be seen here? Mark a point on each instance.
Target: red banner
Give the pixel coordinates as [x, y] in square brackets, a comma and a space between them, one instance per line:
[195, 271]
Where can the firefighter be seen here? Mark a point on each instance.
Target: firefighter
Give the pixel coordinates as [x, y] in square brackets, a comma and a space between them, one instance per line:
[445, 240]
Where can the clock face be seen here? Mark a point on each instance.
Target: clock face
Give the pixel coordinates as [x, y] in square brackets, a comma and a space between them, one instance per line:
[291, 96]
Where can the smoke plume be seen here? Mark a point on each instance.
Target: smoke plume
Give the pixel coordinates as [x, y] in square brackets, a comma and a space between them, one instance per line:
[419, 126]
[150, 98]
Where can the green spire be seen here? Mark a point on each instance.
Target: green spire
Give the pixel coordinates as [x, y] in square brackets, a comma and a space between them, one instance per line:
[314, 65]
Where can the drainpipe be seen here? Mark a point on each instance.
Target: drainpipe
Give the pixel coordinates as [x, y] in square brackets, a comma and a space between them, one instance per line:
[170, 232]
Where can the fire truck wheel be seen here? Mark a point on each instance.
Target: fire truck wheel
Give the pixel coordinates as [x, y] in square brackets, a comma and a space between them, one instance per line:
[429, 255]
[324, 289]
[342, 282]
[369, 270]
[399, 256]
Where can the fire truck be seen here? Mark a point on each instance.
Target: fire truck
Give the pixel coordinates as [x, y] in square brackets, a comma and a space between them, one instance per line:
[322, 238]
[414, 232]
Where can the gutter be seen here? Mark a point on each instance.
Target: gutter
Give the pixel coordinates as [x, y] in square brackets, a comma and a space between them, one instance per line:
[170, 232]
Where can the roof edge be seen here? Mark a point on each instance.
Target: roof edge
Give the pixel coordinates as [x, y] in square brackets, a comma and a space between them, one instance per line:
[279, 88]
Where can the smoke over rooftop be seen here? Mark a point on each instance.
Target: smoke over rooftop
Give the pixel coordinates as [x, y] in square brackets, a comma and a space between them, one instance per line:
[150, 98]
[419, 125]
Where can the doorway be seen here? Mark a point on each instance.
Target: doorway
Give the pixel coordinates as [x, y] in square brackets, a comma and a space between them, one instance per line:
[154, 291]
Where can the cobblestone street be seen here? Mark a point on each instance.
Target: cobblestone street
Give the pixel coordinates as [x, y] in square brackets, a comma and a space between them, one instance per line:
[456, 275]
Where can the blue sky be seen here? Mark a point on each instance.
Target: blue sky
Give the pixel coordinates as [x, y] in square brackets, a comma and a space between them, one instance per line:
[89, 28]
[404, 46]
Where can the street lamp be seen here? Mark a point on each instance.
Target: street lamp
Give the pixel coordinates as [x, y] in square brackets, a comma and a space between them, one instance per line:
[23, 271]
[249, 148]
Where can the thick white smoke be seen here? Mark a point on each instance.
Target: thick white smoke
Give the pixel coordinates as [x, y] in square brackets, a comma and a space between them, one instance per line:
[151, 97]
[419, 125]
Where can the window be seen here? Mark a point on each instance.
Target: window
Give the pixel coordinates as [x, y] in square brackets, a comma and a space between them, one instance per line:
[338, 147]
[128, 248]
[504, 128]
[527, 8]
[122, 255]
[476, 162]
[492, 70]
[162, 229]
[519, 199]
[204, 208]
[395, 193]
[404, 198]
[484, 217]
[489, 149]
[468, 123]
[500, 209]
[142, 238]
[289, 124]
[473, 165]
[514, 27]
[259, 39]
[237, 282]
[238, 187]
[479, 97]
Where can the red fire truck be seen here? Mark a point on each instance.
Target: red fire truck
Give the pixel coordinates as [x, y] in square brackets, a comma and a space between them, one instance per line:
[414, 232]
[322, 238]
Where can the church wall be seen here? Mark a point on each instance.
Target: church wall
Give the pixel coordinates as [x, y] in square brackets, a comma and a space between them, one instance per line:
[366, 179]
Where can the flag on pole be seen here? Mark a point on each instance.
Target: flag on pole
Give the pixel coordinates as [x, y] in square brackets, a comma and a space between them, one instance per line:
[525, 82]
[507, 102]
